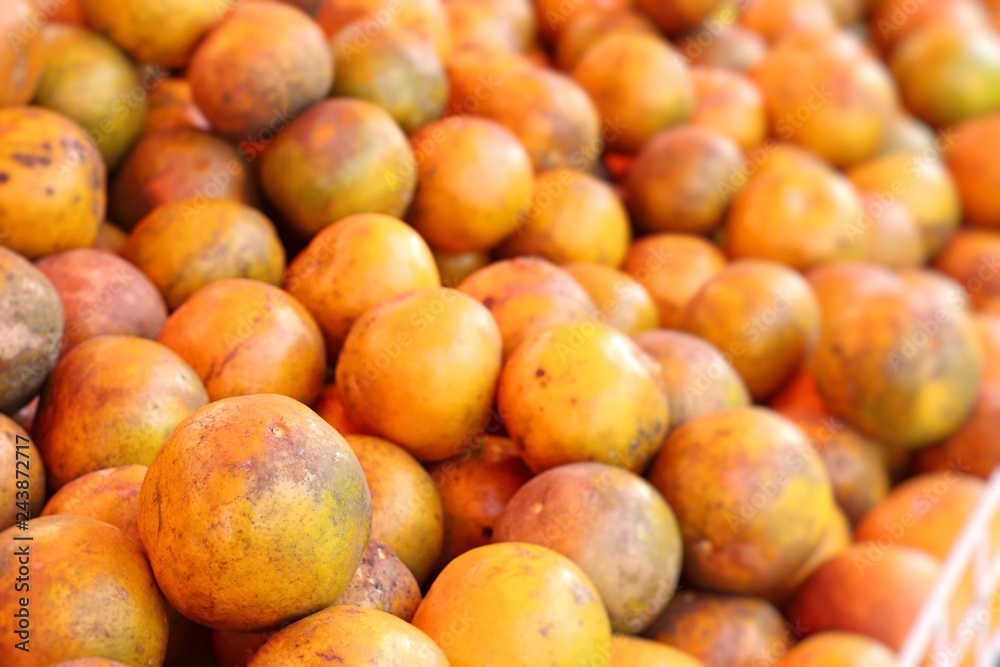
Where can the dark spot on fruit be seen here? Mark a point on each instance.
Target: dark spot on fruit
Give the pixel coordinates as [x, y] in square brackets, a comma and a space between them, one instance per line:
[4, 177]
[30, 161]
[49, 192]
[540, 372]
[487, 532]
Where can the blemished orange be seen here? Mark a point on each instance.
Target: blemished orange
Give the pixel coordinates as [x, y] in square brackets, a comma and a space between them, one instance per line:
[762, 316]
[586, 511]
[743, 532]
[475, 184]
[76, 563]
[186, 244]
[420, 370]
[583, 392]
[396, 70]
[50, 199]
[233, 70]
[355, 264]
[102, 294]
[248, 337]
[338, 157]
[683, 180]
[720, 629]
[572, 217]
[247, 487]
[35, 324]
[489, 605]
[110, 402]
[827, 94]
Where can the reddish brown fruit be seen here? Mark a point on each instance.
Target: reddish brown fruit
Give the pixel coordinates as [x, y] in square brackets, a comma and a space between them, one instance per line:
[103, 294]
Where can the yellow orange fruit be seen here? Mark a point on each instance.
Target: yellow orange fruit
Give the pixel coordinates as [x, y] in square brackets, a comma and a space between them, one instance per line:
[186, 244]
[583, 392]
[234, 70]
[466, 609]
[76, 563]
[474, 184]
[420, 369]
[247, 337]
[572, 217]
[112, 401]
[355, 264]
[52, 183]
[751, 495]
[279, 492]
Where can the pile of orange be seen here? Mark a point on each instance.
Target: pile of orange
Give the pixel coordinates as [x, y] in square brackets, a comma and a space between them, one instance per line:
[492, 333]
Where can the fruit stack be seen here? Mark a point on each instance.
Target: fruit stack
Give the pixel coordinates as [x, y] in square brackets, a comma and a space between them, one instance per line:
[494, 333]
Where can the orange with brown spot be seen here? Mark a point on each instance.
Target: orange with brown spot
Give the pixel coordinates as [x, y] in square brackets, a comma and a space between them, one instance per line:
[583, 392]
[103, 294]
[110, 402]
[761, 315]
[684, 180]
[263, 64]
[720, 630]
[752, 497]
[79, 564]
[177, 164]
[248, 337]
[337, 158]
[474, 184]
[31, 325]
[187, 244]
[220, 503]
[420, 369]
[52, 183]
